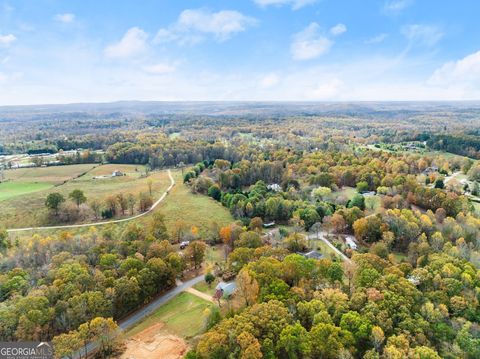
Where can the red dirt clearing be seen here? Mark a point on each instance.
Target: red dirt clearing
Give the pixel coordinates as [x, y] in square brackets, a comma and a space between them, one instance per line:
[152, 343]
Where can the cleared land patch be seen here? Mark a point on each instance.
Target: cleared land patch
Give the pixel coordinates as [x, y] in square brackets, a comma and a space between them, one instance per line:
[151, 343]
[184, 316]
[195, 209]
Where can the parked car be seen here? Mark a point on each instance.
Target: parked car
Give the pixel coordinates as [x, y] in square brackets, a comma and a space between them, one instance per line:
[184, 244]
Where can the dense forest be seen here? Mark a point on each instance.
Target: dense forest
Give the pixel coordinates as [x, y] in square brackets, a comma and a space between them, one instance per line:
[410, 288]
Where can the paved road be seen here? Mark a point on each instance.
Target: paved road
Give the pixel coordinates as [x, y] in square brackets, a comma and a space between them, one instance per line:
[162, 197]
[144, 312]
[322, 236]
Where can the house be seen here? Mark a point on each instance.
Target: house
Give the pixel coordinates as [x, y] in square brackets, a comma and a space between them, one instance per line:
[224, 290]
[312, 255]
[275, 187]
[431, 169]
[350, 240]
[410, 146]
[117, 173]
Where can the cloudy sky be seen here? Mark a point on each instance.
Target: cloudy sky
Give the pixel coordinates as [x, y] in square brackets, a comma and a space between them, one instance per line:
[95, 51]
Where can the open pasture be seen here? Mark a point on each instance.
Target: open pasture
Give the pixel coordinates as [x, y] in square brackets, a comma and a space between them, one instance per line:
[23, 201]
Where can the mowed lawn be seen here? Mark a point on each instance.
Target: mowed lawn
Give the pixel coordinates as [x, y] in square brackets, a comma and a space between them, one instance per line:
[29, 210]
[184, 316]
[13, 189]
[194, 209]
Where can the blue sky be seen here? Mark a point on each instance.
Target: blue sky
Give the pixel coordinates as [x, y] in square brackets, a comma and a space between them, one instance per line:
[95, 51]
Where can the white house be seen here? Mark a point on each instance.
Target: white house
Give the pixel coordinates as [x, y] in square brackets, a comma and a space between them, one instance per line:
[117, 173]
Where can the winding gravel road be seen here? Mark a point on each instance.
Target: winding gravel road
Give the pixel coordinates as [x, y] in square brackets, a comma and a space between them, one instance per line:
[162, 197]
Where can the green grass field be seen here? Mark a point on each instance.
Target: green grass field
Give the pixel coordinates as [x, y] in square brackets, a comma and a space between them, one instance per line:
[184, 316]
[180, 204]
[14, 189]
[20, 210]
[204, 288]
[320, 246]
[195, 209]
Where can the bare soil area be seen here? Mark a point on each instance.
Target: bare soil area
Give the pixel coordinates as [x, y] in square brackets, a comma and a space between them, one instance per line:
[153, 343]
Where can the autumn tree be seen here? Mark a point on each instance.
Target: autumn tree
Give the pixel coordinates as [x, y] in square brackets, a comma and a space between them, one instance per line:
[320, 193]
[78, 197]
[157, 227]
[296, 242]
[145, 202]
[294, 341]
[96, 207]
[53, 201]
[131, 203]
[195, 252]
[67, 344]
[104, 332]
[122, 202]
[247, 286]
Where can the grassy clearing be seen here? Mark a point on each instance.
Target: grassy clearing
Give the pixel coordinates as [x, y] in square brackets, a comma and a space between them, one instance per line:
[184, 316]
[204, 288]
[180, 204]
[26, 211]
[320, 246]
[195, 209]
[14, 189]
[214, 255]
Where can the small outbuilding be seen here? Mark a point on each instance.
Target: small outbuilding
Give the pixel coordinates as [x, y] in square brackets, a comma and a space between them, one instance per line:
[225, 290]
[117, 173]
[350, 240]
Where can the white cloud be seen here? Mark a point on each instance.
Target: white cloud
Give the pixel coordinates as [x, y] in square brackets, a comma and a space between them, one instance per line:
[423, 35]
[269, 80]
[309, 43]
[65, 18]
[396, 6]
[7, 40]
[133, 43]
[377, 39]
[327, 90]
[463, 73]
[338, 29]
[159, 69]
[295, 4]
[193, 24]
